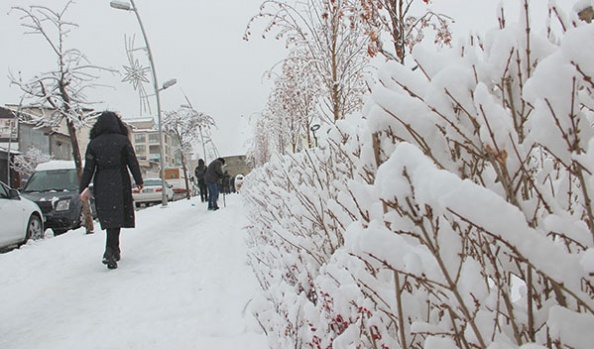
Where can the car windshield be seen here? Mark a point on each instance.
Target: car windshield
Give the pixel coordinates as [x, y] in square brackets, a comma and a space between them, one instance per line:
[4, 193]
[152, 183]
[58, 180]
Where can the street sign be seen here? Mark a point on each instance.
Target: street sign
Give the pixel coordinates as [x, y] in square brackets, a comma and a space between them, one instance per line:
[8, 130]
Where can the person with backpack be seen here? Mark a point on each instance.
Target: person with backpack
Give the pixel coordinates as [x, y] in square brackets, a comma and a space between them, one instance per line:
[200, 172]
[213, 177]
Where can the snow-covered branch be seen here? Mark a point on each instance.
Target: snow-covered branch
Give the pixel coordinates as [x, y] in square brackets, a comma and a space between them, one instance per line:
[456, 214]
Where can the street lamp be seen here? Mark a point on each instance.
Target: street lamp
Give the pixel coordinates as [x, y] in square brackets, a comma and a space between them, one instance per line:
[120, 5]
[168, 84]
[313, 129]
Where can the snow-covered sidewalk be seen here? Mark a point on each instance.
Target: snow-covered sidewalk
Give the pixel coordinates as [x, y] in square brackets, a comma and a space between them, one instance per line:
[183, 282]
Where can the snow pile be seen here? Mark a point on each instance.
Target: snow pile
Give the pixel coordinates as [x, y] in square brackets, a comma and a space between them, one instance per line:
[456, 214]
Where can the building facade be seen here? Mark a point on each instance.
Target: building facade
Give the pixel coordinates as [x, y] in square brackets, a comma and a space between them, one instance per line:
[53, 141]
[146, 142]
[238, 164]
[20, 135]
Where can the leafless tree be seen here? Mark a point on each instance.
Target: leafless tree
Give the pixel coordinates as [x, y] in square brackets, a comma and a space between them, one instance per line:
[63, 89]
[259, 151]
[329, 34]
[295, 98]
[25, 163]
[403, 28]
[185, 124]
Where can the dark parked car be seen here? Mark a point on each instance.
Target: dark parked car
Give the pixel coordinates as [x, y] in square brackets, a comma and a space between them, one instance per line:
[54, 187]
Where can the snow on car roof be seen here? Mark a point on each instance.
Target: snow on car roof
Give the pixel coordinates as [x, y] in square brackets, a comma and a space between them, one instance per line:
[55, 165]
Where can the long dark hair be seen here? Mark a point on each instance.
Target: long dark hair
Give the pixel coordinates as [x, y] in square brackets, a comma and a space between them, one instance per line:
[108, 122]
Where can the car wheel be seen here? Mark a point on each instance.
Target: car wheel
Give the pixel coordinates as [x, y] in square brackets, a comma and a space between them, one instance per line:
[34, 228]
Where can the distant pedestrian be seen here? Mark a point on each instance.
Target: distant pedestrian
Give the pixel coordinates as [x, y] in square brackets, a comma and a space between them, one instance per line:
[232, 185]
[108, 157]
[226, 183]
[200, 172]
[213, 177]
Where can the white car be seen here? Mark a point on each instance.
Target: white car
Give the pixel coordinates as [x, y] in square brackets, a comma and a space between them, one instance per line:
[151, 193]
[21, 218]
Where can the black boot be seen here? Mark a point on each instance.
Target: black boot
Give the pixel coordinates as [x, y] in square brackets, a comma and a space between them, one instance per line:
[109, 258]
[116, 254]
[113, 242]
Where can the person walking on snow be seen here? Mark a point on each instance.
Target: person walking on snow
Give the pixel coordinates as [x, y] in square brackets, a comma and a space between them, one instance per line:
[108, 157]
[226, 183]
[214, 174]
[200, 172]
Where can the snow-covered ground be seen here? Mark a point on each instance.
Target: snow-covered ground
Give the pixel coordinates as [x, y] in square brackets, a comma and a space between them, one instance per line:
[183, 282]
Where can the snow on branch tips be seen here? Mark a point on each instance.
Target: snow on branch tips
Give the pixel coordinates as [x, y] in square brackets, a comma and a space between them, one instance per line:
[65, 88]
[455, 213]
[60, 94]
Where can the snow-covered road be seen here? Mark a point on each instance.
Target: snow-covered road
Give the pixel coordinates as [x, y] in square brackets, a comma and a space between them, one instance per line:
[183, 282]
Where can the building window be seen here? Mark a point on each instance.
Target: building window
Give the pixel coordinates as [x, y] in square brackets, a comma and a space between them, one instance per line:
[139, 138]
[140, 149]
[153, 153]
[154, 138]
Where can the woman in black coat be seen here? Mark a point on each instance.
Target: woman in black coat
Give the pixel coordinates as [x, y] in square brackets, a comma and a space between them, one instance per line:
[108, 157]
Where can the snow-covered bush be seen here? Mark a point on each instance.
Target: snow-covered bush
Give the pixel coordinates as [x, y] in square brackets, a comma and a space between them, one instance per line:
[295, 231]
[457, 214]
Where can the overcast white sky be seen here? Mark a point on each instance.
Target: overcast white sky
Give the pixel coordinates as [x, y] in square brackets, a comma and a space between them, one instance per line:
[198, 42]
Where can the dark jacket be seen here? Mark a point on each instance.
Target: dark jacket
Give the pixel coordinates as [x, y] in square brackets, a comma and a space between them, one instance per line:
[214, 172]
[108, 157]
[200, 170]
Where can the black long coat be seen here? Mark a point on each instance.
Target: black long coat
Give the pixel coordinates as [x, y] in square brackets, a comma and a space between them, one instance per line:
[108, 157]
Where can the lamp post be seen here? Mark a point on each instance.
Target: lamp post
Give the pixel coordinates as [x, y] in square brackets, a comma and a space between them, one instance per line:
[313, 129]
[120, 5]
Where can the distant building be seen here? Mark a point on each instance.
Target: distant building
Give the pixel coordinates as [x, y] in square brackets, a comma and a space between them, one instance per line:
[145, 138]
[237, 165]
[53, 141]
[15, 177]
[19, 135]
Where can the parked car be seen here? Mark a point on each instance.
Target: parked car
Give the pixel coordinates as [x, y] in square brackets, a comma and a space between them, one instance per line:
[21, 218]
[152, 192]
[175, 176]
[53, 186]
